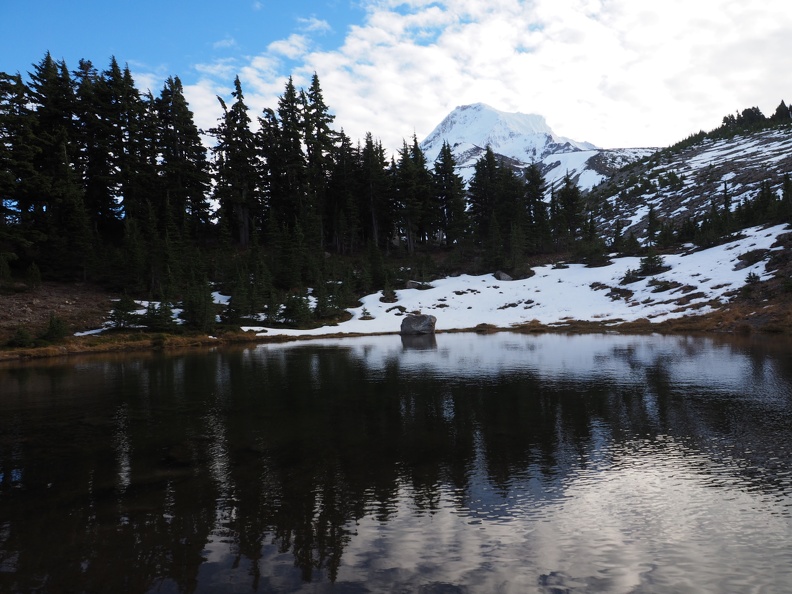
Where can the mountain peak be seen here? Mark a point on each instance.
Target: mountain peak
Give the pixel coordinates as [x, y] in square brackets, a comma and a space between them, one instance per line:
[524, 137]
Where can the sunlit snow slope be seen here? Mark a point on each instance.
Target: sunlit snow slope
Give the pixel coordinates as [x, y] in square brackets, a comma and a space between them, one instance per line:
[695, 284]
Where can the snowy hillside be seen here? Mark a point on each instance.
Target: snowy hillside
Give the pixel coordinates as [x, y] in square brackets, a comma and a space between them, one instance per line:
[683, 182]
[696, 283]
[693, 283]
[523, 139]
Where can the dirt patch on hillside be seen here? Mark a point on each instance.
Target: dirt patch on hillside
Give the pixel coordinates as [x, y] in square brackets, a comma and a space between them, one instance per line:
[81, 306]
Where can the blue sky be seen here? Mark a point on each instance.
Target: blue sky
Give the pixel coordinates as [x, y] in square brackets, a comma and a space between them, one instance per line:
[154, 35]
[616, 73]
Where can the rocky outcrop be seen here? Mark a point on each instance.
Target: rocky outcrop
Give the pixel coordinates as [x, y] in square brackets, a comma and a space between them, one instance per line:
[418, 324]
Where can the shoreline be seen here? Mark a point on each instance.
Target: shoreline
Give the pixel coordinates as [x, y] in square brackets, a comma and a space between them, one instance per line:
[718, 323]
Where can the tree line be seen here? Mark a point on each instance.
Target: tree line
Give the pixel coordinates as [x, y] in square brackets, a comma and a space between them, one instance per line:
[102, 182]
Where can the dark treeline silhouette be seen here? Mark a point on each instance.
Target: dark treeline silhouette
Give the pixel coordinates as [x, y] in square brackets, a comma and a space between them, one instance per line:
[104, 183]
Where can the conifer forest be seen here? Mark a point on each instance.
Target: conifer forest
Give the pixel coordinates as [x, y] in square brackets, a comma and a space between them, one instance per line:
[101, 182]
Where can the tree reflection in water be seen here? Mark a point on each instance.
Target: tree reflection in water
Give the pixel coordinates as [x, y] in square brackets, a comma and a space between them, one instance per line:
[169, 473]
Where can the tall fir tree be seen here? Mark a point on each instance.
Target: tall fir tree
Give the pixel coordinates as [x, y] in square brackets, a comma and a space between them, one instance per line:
[538, 233]
[482, 195]
[570, 211]
[413, 193]
[17, 169]
[289, 175]
[342, 215]
[376, 205]
[58, 208]
[319, 144]
[449, 197]
[235, 169]
[184, 171]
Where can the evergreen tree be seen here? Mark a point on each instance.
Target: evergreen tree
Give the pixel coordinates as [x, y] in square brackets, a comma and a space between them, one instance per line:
[289, 175]
[198, 308]
[52, 99]
[18, 176]
[376, 207]
[512, 209]
[782, 113]
[319, 148]
[726, 217]
[235, 168]
[482, 195]
[785, 206]
[184, 173]
[449, 196]
[539, 234]
[123, 313]
[92, 141]
[56, 208]
[413, 192]
[570, 210]
[618, 240]
[652, 226]
[342, 208]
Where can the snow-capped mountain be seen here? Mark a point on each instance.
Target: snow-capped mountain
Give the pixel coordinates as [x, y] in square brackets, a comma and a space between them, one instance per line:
[523, 139]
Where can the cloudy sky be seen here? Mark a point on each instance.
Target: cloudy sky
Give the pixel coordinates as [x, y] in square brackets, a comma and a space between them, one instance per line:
[617, 73]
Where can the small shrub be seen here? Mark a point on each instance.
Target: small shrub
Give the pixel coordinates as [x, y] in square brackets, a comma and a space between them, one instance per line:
[5, 269]
[56, 329]
[631, 276]
[752, 278]
[388, 295]
[158, 318]
[660, 286]
[297, 310]
[123, 313]
[21, 339]
[651, 264]
[33, 276]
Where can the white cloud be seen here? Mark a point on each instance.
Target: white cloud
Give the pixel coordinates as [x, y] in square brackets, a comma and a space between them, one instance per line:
[313, 24]
[616, 73]
[295, 46]
[224, 69]
[227, 43]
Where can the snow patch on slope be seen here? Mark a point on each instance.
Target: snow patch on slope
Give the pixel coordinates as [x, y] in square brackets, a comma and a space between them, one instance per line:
[555, 295]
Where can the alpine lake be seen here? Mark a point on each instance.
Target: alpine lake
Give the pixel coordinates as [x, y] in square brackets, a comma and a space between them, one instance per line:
[451, 463]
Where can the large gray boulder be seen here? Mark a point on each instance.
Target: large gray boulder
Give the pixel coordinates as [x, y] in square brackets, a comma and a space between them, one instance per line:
[418, 324]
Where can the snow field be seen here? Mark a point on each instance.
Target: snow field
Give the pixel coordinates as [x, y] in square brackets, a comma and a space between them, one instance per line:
[555, 295]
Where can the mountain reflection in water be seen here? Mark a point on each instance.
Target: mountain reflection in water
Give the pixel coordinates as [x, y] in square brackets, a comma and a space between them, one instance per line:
[511, 463]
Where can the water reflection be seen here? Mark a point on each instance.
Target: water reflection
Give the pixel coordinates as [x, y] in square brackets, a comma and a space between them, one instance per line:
[419, 342]
[479, 464]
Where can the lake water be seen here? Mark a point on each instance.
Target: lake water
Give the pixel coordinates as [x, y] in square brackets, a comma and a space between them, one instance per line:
[499, 463]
